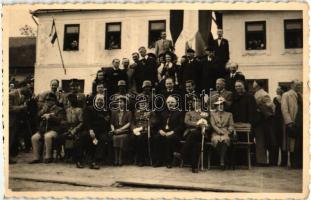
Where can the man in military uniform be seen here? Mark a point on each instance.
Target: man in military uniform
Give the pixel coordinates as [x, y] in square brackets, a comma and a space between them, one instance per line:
[142, 126]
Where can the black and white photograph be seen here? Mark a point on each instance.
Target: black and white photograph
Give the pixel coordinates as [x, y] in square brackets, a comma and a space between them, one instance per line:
[180, 98]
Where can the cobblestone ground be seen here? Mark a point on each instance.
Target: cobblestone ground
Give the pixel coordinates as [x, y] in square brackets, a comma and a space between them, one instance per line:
[66, 177]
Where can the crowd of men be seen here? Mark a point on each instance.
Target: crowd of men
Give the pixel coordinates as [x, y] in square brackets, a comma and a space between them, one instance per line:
[141, 112]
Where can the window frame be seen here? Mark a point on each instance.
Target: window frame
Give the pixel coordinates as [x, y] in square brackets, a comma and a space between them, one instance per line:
[106, 34]
[65, 34]
[292, 20]
[264, 23]
[149, 29]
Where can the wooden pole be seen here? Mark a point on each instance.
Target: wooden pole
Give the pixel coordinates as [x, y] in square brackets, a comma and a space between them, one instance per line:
[60, 52]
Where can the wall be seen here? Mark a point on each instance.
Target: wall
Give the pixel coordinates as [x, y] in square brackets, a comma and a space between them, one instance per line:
[92, 54]
[275, 63]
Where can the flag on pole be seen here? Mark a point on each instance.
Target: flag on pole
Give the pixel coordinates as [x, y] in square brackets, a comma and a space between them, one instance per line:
[53, 33]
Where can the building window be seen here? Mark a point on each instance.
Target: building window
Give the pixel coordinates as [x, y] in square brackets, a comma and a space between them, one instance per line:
[255, 35]
[155, 29]
[66, 87]
[285, 86]
[113, 36]
[293, 33]
[71, 37]
[249, 85]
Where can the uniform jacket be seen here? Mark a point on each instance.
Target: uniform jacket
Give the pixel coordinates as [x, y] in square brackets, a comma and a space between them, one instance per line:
[74, 119]
[289, 106]
[162, 46]
[142, 119]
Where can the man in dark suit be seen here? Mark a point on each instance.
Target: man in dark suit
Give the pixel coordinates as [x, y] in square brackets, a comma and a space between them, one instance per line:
[233, 76]
[221, 46]
[114, 74]
[170, 127]
[146, 69]
[171, 90]
[209, 70]
[191, 68]
[163, 45]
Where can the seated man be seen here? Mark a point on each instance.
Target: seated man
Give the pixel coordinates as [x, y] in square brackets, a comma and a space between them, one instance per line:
[96, 138]
[51, 116]
[196, 123]
[141, 127]
[222, 124]
[170, 127]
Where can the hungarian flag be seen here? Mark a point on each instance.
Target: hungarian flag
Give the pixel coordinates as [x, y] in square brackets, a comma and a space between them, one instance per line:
[53, 33]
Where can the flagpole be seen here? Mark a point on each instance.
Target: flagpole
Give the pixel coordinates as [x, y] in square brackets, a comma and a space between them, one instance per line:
[60, 52]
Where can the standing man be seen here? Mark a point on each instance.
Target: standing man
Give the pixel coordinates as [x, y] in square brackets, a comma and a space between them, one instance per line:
[129, 71]
[163, 45]
[264, 133]
[145, 70]
[292, 109]
[191, 68]
[17, 115]
[221, 46]
[209, 70]
[233, 76]
[223, 93]
[114, 74]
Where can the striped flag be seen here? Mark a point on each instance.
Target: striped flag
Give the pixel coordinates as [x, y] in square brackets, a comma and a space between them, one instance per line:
[53, 33]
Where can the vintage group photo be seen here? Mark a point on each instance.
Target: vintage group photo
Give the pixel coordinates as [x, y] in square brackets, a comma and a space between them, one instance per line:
[132, 99]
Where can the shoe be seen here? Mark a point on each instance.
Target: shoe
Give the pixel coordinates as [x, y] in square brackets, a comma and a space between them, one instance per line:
[223, 167]
[94, 166]
[79, 165]
[141, 164]
[157, 164]
[48, 160]
[35, 162]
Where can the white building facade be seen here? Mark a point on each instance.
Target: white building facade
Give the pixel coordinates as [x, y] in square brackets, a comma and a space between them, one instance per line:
[131, 29]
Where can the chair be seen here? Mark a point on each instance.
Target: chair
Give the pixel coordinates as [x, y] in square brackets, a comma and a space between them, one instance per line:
[244, 128]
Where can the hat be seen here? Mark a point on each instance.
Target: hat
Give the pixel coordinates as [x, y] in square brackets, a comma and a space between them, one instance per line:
[147, 83]
[121, 83]
[219, 101]
[190, 50]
